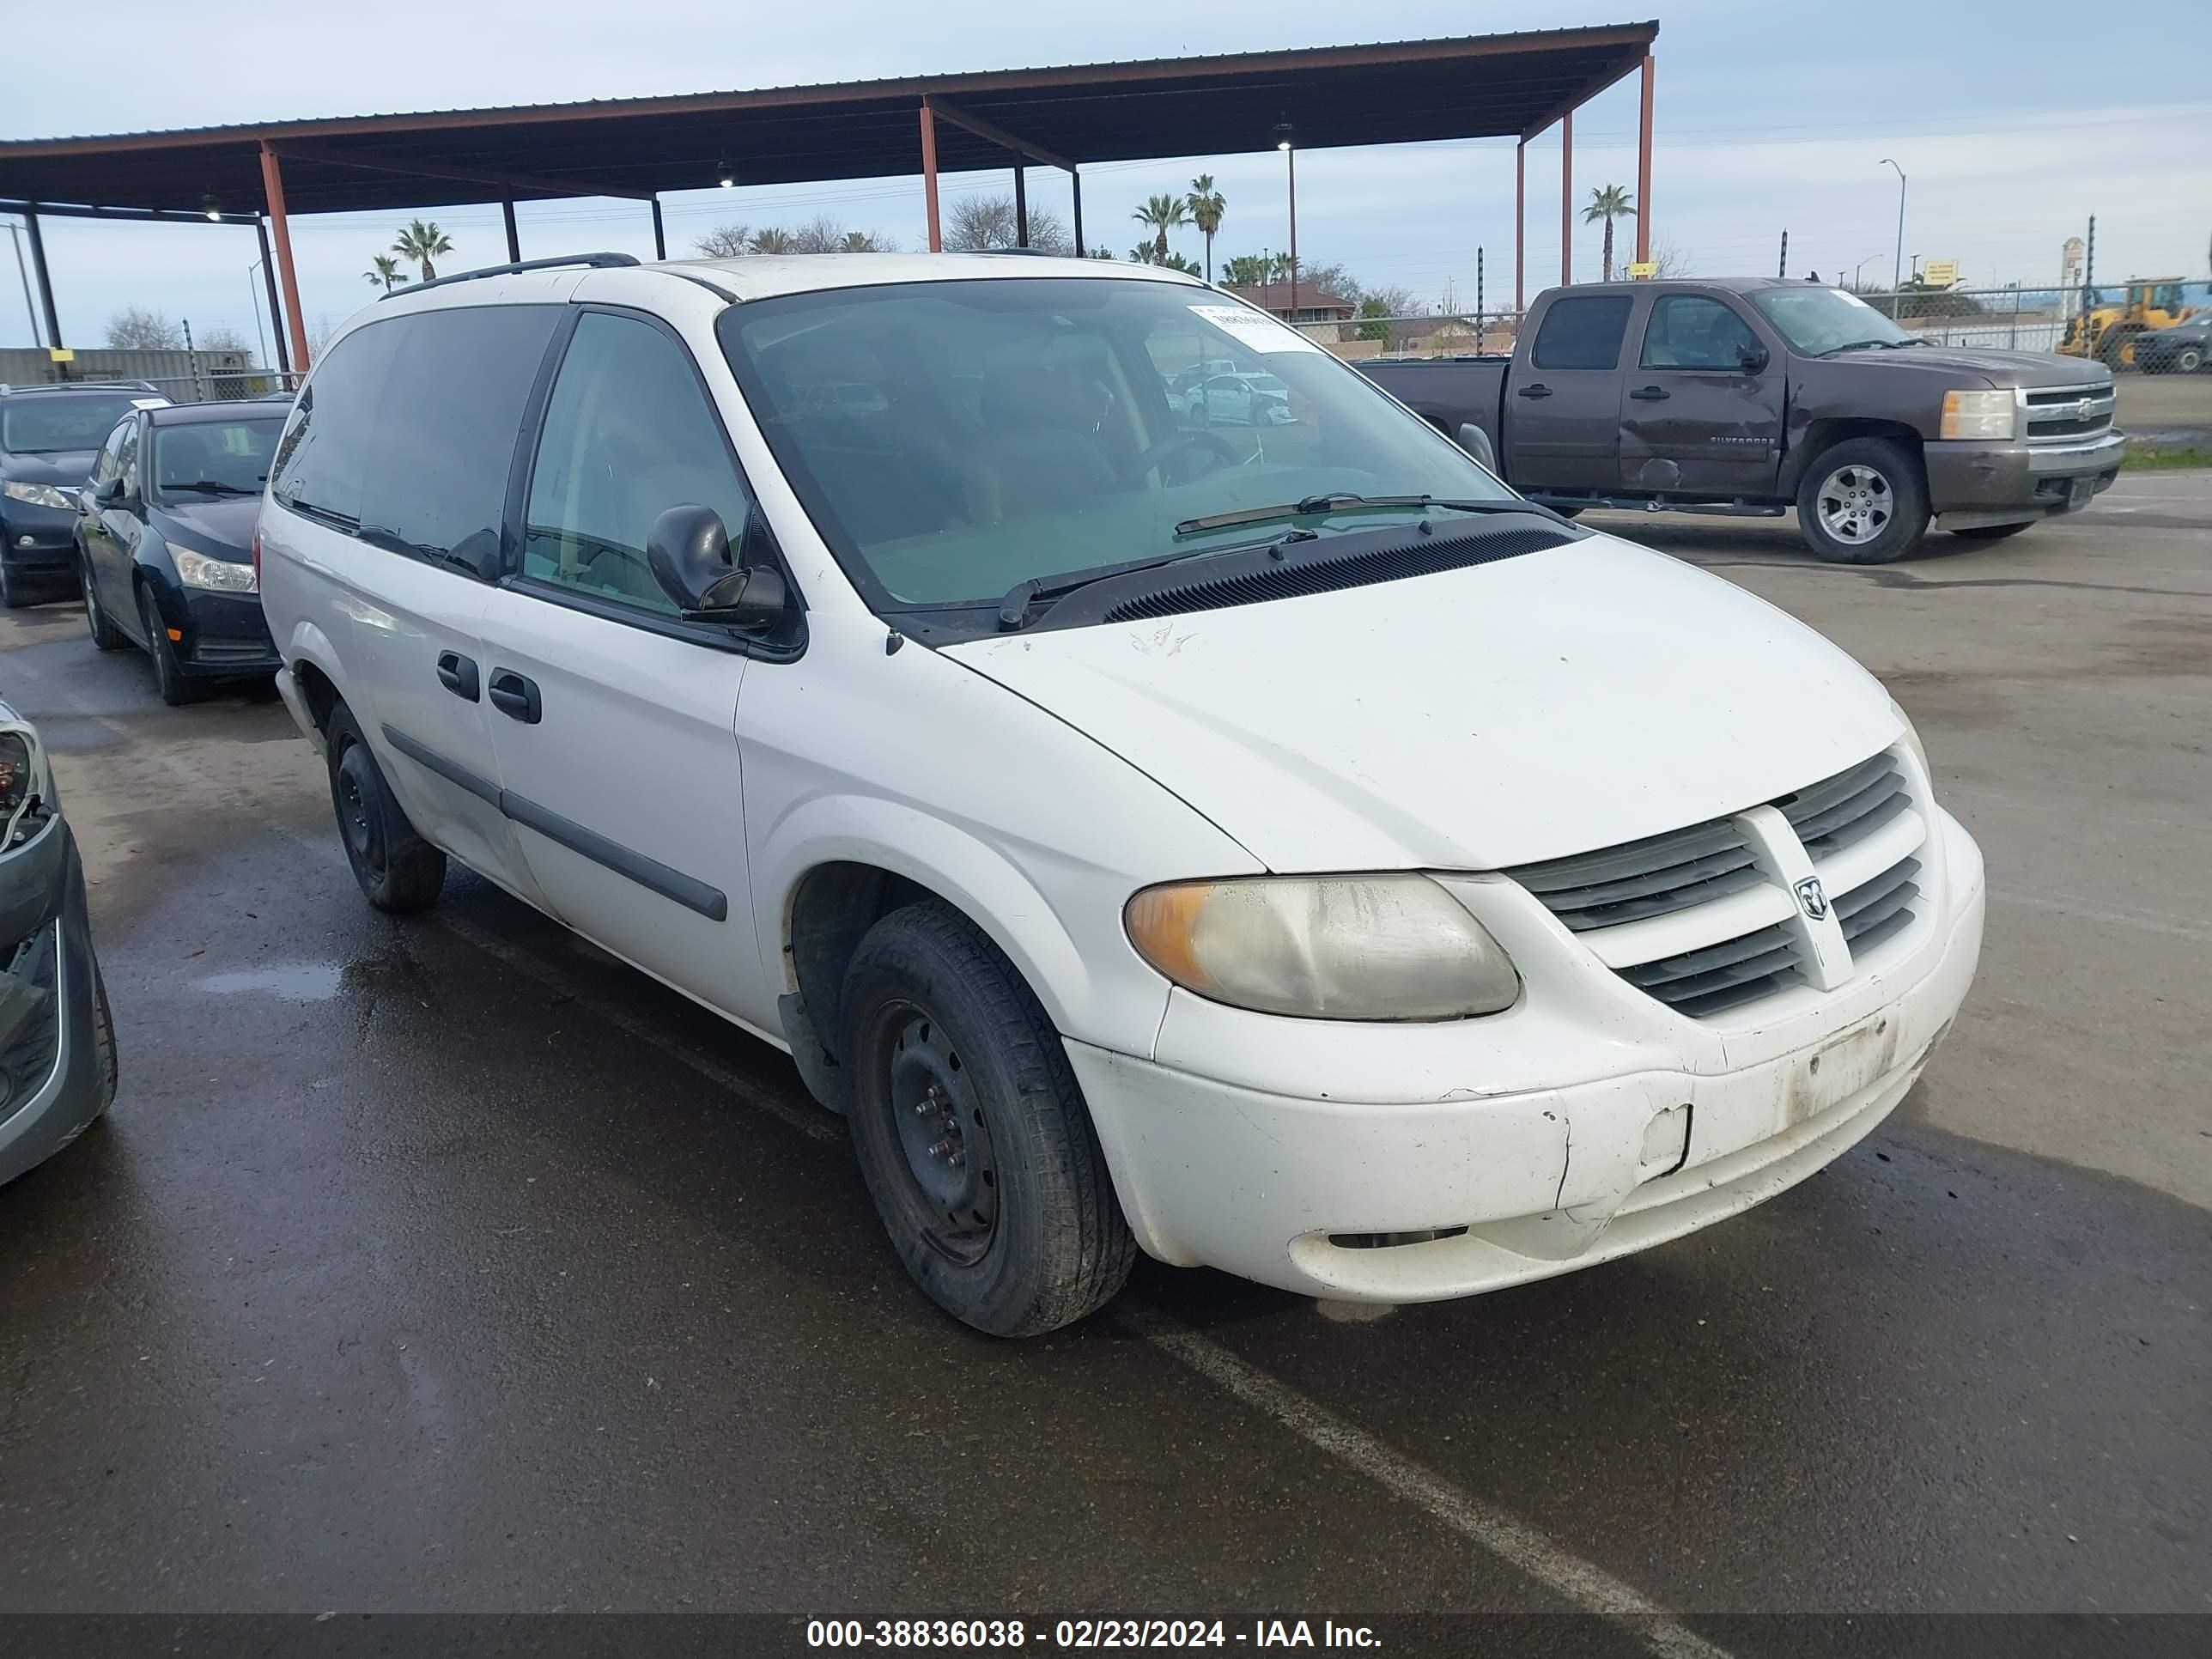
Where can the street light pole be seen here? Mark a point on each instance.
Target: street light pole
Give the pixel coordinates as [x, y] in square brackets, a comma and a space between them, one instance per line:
[1283, 138]
[253, 298]
[1897, 269]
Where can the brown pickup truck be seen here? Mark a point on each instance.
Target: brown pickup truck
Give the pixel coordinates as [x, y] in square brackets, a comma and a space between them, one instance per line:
[1751, 395]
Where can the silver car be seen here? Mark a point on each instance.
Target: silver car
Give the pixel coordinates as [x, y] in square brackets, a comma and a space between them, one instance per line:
[57, 1041]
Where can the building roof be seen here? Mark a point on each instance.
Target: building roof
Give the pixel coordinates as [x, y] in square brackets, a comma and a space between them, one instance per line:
[1475, 86]
[1276, 296]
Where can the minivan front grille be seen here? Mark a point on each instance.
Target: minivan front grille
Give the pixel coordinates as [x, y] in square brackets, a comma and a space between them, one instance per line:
[1651, 877]
[1678, 873]
[1833, 813]
[1721, 976]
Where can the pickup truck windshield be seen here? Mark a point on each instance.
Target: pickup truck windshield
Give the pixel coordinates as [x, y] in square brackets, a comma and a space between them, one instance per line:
[952, 439]
[1821, 319]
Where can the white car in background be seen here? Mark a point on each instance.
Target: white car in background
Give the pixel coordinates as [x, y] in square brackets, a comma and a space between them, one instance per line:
[1320, 864]
[1239, 400]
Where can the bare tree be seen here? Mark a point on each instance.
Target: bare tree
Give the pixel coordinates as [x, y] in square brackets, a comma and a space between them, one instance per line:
[977, 222]
[223, 337]
[1668, 259]
[1395, 303]
[135, 329]
[726, 242]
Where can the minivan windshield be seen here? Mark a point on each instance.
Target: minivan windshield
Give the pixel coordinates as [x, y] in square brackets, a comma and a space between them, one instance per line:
[53, 422]
[1017, 430]
[1817, 321]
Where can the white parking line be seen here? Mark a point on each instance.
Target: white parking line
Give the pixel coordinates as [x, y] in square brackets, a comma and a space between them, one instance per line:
[1511, 1540]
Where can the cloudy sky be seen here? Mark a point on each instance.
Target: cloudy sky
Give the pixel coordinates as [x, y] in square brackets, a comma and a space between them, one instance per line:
[2016, 121]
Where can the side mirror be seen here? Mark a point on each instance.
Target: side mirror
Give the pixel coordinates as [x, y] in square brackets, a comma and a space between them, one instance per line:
[689, 552]
[1752, 359]
[1474, 439]
[108, 494]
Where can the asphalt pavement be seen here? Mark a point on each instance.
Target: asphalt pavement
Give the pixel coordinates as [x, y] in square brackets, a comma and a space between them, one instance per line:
[445, 1264]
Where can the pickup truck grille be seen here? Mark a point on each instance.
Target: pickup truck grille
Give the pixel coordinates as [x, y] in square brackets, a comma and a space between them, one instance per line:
[2069, 414]
[1691, 919]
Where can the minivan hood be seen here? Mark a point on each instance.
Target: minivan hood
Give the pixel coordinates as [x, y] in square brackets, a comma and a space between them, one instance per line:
[69, 468]
[1541, 706]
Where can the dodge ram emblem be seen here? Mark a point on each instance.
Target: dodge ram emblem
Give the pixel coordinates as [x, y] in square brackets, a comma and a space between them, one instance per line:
[1812, 898]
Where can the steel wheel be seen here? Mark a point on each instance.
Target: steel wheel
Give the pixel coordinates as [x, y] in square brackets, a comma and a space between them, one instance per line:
[952, 1172]
[1855, 504]
[2189, 359]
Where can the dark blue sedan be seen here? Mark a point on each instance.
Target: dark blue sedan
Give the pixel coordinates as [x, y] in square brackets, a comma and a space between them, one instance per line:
[165, 541]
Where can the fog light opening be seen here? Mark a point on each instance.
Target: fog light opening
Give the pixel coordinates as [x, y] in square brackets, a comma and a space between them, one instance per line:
[1392, 1241]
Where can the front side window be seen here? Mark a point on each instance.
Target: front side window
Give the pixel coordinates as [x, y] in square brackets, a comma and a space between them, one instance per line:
[1021, 429]
[1689, 331]
[1582, 333]
[55, 423]
[628, 434]
[126, 461]
[208, 458]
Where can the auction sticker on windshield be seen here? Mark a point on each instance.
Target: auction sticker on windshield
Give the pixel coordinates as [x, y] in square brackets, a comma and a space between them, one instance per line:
[1254, 328]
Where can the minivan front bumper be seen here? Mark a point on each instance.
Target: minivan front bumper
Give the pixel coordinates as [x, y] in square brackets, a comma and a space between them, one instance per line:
[1313, 1194]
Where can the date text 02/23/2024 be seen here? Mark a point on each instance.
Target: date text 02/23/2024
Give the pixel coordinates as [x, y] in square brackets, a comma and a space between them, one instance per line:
[1085, 1633]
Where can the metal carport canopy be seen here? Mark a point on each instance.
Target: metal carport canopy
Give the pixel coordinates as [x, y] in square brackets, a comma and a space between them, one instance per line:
[1475, 87]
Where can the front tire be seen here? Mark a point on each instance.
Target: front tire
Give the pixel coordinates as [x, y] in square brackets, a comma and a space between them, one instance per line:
[169, 677]
[2188, 360]
[971, 1131]
[397, 870]
[1864, 501]
[105, 635]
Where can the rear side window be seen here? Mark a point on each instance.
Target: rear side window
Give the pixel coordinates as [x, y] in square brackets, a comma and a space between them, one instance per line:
[409, 428]
[1582, 333]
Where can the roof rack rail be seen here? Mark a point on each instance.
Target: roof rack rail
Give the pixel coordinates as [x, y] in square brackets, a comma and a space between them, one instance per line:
[81, 386]
[601, 261]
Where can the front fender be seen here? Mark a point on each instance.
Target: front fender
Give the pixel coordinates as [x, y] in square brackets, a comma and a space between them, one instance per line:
[1086, 975]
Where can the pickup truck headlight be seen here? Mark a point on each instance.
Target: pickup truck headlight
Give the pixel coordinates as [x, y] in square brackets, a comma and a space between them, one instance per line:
[222, 575]
[1981, 414]
[37, 495]
[1387, 947]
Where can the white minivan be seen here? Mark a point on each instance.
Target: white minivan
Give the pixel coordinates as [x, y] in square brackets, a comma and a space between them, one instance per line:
[1278, 847]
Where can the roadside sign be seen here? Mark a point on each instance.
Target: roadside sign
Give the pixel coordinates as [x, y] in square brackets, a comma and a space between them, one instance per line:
[1940, 273]
[1639, 269]
[61, 354]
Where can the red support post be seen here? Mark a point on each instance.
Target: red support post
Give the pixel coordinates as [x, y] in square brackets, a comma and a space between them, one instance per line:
[273, 186]
[1567, 199]
[929, 176]
[1643, 171]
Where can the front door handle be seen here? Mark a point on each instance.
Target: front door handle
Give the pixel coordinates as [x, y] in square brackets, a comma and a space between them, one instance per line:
[1650, 394]
[515, 695]
[1537, 391]
[458, 674]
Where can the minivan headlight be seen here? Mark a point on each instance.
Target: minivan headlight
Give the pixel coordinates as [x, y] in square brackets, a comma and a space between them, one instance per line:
[1981, 414]
[1382, 947]
[220, 575]
[37, 495]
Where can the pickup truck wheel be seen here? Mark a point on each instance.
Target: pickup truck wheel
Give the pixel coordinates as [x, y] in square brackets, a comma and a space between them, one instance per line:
[971, 1131]
[397, 870]
[1862, 502]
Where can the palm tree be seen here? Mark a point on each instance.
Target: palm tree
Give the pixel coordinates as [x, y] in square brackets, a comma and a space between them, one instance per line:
[773, 238]
[1164, 214]
[1609, 203]
[384, 273]
[1206, 205]
[422, 241]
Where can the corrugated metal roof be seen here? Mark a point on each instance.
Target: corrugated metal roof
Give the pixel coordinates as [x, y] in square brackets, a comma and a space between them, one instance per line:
[1381, 92]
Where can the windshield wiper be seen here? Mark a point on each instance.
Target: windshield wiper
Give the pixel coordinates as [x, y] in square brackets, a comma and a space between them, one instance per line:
[1341, 501]
[213, 486]
[1014, 610]
[1856, 345]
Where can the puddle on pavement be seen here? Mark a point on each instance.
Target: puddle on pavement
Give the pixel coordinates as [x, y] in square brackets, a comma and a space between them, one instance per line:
[300, 981]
